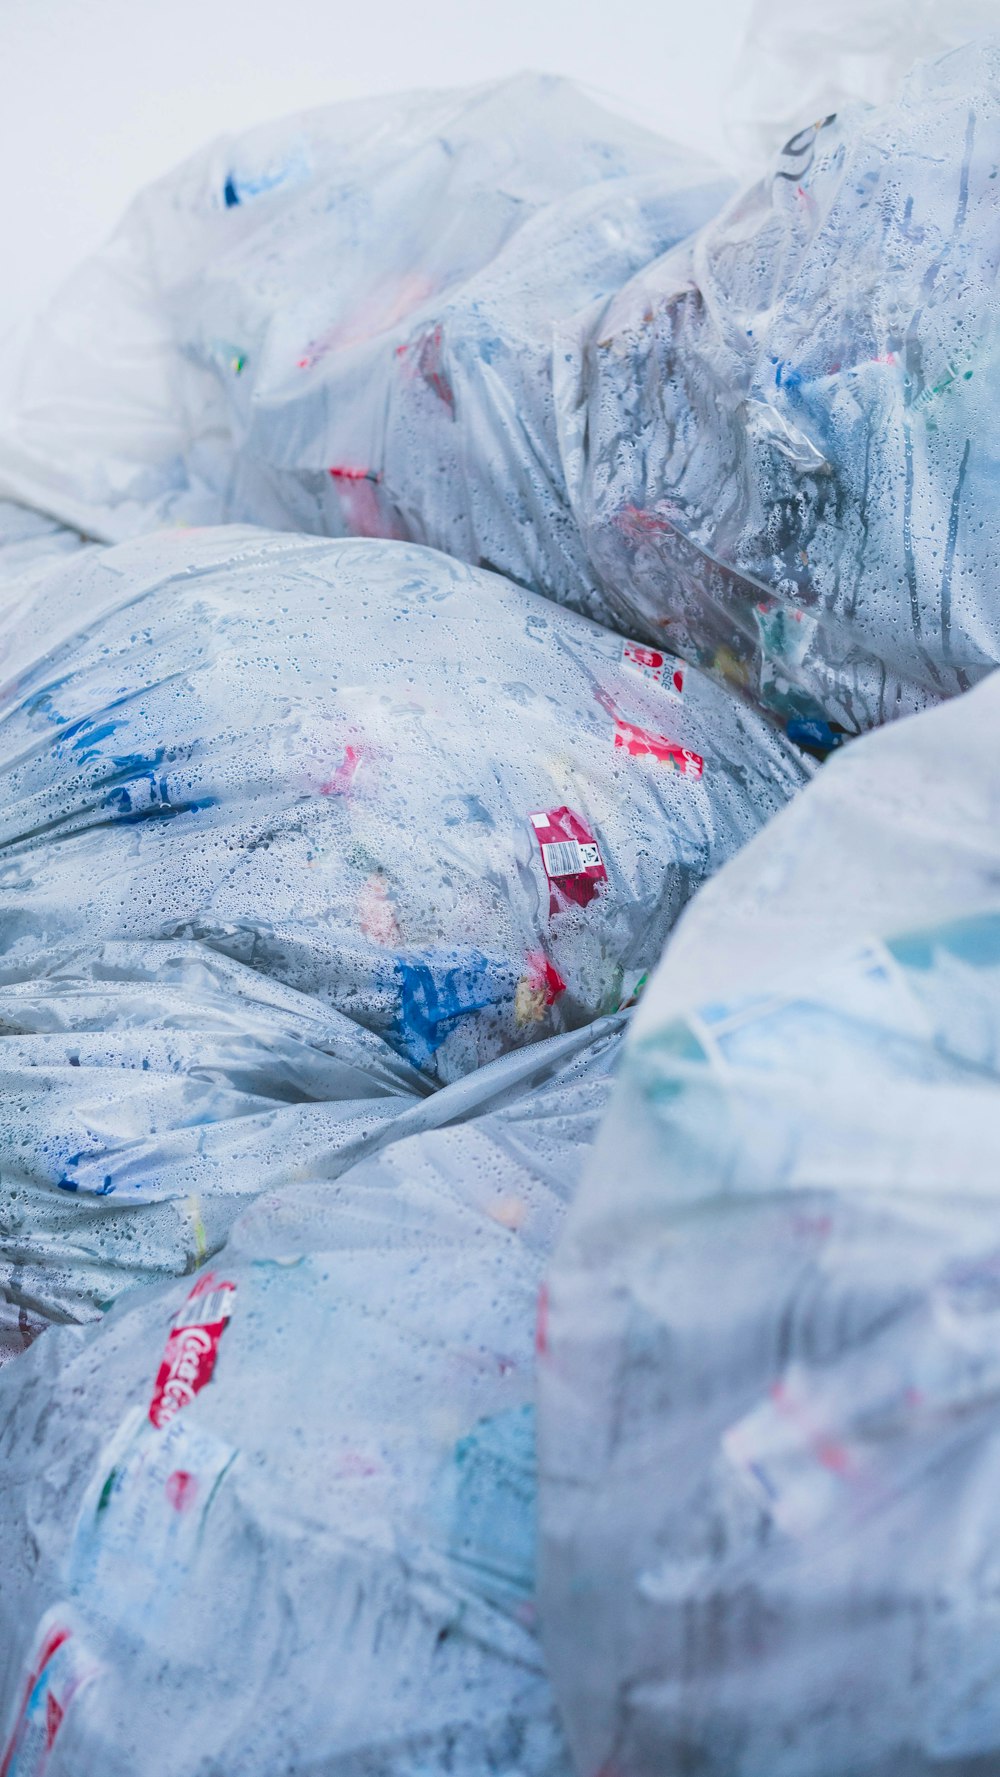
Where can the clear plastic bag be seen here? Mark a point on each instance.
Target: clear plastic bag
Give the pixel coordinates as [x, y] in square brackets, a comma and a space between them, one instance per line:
[781, 439]
[447, 809]
[150, 1090]
[342, 324]
[769, 1429]
[294, 832]
[283, 1512]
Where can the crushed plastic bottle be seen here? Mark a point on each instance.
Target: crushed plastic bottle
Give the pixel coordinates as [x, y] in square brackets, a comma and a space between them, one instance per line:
[781, 438]
[769, 1430]
[342, 323]
[283, 1512]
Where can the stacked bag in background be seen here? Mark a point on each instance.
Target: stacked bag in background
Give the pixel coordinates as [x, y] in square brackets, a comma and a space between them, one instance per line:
[484, 322]
[781, 439]
[770, 1441]
[343, 324]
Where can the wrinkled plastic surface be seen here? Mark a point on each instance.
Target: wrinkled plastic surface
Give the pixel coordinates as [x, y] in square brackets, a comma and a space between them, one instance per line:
[153, 1090]
[781, 440]
[769, 1439]
[450, 811]
[320, 1557]
[149, 1091]
[342, 323]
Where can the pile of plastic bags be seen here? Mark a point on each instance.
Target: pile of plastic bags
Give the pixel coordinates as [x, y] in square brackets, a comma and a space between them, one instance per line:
[296, 831]
[537, 514]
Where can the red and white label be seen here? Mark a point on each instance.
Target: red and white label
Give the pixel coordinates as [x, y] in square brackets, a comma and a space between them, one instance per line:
[192, 1347]
[571, 856]
[650, 663]
[644, 743]
[57, 1670]
[641, 743]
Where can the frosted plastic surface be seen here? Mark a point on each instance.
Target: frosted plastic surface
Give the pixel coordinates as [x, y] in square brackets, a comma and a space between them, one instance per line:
[323, 1559]
[769, 1438]
[342, 323]
[781, 439]
[445, 808]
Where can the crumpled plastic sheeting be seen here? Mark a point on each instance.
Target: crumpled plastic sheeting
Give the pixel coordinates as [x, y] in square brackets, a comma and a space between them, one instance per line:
[443, 807]
[769, 1440]
[342, 323]
[148, 1092]
[781, 440]
[320, 1557]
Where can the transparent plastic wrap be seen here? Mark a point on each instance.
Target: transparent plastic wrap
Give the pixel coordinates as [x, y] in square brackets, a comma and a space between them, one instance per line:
[342, 323]
[768, 1390]
[433, 802]
[801, 63]
[283, 1513]
[781, 440]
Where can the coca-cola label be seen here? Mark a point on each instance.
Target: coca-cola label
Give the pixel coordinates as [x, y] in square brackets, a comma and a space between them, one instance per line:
[192, 1347]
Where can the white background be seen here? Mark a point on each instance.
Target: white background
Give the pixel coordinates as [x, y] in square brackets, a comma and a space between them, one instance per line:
[99, 96]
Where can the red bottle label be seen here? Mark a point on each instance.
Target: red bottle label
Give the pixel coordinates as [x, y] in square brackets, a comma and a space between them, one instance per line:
[192, 1347]
[571, 856]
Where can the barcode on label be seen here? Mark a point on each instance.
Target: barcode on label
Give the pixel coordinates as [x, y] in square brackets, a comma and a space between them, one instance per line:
[567, 857]
[206, 1310]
